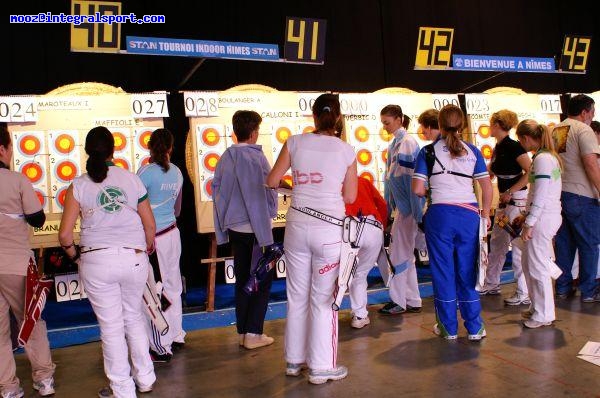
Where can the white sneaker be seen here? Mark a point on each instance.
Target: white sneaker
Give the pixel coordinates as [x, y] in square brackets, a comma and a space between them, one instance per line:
[294, 369]
[13, 394]
[533, 324]
[144, 389]
[44, 387]
[438, 332]
[490, 290]
[252, 340]
[517, 299]
[478, 336]
[322, 376]
[359, 323]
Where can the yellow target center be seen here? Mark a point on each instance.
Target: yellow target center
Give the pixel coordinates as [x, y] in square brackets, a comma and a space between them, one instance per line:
[30, 145]
[31, 173]
[64, 144]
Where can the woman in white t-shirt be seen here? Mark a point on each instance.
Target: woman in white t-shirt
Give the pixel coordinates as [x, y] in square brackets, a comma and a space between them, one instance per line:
[325, 178]
[117, 230]
[542, 221]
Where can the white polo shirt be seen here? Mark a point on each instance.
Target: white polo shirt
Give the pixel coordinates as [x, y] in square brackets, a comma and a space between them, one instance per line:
[111, 221]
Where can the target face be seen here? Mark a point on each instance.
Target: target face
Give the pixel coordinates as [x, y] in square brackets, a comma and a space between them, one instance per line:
[385, 136]
[59, 198]
[41, 197]
[211, 137]
[308, 129]
[207, 188]
[64, 144]
[282, 134]
[143, 139]
[288, 178]
[29, 145]
[368, 175]
[210, 161]
[120, 141]
[33, 171]
[66, 170]
[122, 163]
[364, 157]
[487, 151]
[384, 156]
[361, 134]
[484, 131]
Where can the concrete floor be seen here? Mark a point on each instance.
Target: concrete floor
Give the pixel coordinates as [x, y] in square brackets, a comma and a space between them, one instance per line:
[395, 356]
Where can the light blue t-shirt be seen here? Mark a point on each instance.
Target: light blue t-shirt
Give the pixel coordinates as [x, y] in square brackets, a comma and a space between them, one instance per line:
[163, 189]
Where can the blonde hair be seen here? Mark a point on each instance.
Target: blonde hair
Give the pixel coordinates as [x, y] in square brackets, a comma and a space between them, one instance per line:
[540, 132]
[451, 121]
[506, 119]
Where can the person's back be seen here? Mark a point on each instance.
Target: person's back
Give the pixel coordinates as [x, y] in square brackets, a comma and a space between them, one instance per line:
[163, 189]
[106, 224]
[319, 165]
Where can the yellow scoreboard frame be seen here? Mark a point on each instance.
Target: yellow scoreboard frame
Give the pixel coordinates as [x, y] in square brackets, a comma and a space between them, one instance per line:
[66, 114]
[284, 114]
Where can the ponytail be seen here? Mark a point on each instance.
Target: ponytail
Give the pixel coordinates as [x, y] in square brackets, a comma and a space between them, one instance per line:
[541, 133]
[451, 122]
[160, 145]
[326, 112]
[99, 145]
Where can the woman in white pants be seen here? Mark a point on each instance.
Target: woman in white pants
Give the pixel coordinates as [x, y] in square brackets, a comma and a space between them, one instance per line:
[324, 177]
[510, 164]
[117, 229]
[163, 180]
[542, 221]
[369, 204]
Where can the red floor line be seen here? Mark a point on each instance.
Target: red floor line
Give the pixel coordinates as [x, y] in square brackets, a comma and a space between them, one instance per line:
[515, 364]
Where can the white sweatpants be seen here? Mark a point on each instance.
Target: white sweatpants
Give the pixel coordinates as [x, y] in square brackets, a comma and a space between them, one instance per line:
[499, 244]
[114, 280]
[370, 243]
[312, 250]
[404, 287]
[168, 251]
[537, 253]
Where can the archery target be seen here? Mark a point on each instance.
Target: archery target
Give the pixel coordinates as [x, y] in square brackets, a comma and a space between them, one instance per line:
[30, 157]
[305, 128]
[123, 149]
[279, 135]
[65, 163]
[368, 145]
[141, 153]
[482, 137]
[210, 143]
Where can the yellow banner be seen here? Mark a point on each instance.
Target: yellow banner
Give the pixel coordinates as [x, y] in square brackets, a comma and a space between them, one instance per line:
[52, 227]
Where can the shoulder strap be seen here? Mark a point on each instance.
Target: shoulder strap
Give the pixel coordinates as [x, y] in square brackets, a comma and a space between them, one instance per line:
[430, 159]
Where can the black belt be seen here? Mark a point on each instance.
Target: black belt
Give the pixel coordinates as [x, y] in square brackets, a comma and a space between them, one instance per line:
[164, 231]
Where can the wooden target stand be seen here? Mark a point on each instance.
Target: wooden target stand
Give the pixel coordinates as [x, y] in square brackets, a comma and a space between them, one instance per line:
[75, 109]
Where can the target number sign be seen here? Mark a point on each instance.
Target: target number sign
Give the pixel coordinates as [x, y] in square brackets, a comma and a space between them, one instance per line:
[68, 287]
[550, 104]
[434, 47]
[18, 109]
[575, 53]
[229, 271]
[149, 105]
[201, 104]
[95, 37]
[305, 40]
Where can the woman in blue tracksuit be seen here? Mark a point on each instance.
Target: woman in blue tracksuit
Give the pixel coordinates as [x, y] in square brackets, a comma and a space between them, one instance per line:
[452, 223]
